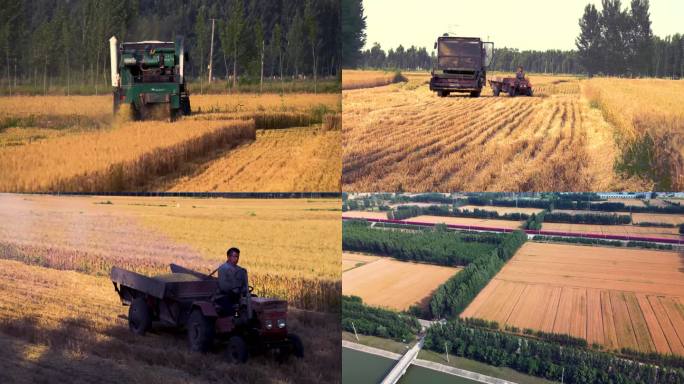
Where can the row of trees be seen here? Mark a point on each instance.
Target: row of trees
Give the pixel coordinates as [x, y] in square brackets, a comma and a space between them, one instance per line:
[535, 221]
[617, 41]
[66, 43]
[376, 321]
[431, 246]
[452, 297]
[518, 203]
[587, 218]
[407, 211]
[549, 360]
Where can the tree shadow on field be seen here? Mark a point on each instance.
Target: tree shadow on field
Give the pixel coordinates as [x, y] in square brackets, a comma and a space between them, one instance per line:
[79, 350]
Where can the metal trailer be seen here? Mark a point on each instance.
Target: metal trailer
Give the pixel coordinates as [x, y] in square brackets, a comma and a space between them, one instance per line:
[188, 299]
[149, 74]
[461, 65]
[512, 86]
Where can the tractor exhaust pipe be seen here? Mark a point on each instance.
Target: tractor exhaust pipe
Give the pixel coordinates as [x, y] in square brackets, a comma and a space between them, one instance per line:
[114, 61]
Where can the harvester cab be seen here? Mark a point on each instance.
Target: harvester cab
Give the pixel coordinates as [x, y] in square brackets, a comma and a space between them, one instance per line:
[149, 76]
[461, 65]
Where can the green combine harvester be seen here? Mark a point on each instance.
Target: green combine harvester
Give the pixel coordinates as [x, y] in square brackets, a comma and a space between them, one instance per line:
[149, 76]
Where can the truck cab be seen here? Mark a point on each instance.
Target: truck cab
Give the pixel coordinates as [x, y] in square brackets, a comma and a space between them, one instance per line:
[461, 65]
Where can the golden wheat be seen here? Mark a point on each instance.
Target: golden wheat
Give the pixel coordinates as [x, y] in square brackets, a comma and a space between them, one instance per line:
[291, 247]
[355, 79]
[305, 159]
[43, 165]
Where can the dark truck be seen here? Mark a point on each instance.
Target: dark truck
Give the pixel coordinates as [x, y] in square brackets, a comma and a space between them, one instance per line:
[461, 65]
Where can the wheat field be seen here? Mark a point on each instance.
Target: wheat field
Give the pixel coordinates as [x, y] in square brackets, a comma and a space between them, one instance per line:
[64, 326]
[305, 159]
[291, 247]
[403, 137]
[355, 79]
[50, 143]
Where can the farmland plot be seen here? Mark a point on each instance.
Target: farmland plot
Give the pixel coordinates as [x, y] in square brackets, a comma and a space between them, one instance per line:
[290, 247]
[403, 137]
[613, 297]
[390, 283]
[622, 230]
[51, 143]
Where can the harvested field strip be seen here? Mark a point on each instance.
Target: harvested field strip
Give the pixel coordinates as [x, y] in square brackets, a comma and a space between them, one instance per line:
[618, 298]
[119, 159]
[624, 230]
[658, 218]
[656, 332]
[395, 284]
[666, 324]
[365, 215]
[294, 159]
[57, 326]
[594, 317]
[510, 224]
[353, 260]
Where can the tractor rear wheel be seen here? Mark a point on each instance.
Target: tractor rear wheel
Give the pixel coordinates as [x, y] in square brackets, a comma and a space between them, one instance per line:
[139, 316]
[236, 352]
[200, 331]
[511, 91]
[297, 346]
[529, 92]
[496, 91]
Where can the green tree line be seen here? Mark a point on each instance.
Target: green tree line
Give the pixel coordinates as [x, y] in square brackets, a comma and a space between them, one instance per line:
[550, 360]
[620, 42]
[374, 321]
[452, 297]
[430, 246]
[407, 211]
[65, 43]
[587, 218]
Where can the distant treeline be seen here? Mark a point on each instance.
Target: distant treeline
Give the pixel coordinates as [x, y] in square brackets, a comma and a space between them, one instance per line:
[550, 360]
[407, 211]
[619, 42]
[376, 321]
[614, 41]
[65, 43]
[587, 218]
[610, 243]
[430, 246]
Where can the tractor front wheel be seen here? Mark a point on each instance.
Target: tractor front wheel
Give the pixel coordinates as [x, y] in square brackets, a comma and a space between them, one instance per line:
[236, 352]
[200, 332]
[139, 316]
[297, 346]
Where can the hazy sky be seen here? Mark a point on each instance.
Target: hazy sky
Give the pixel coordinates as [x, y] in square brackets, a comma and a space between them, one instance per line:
[541, 24]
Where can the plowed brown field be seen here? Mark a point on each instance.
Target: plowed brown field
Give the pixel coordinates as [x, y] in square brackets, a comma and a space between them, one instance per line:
[619, 298]
[404, 137]
[390, 283]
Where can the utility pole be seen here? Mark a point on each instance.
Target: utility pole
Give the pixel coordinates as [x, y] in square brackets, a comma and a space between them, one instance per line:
[211, 49]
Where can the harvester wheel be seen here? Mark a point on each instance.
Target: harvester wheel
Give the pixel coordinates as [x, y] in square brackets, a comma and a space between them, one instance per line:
[115, 106]
[139, 316]
[185, 105]
[200, 331]
[511, 91]
[475, 93]
[297, 346]
[496, 91]
[236, 352]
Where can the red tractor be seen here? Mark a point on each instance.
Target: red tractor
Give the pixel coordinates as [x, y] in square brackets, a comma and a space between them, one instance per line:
[512, 86]
[188, 299]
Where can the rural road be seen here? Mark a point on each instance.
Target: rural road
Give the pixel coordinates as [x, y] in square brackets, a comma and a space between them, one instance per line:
[426, 364]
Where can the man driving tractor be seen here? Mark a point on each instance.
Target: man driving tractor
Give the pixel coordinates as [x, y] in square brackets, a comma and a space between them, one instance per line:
[232, 280]
[520, 74]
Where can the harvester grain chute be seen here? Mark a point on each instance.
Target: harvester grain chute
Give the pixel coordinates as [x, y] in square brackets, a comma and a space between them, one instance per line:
[191, 300]
[149, 76]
